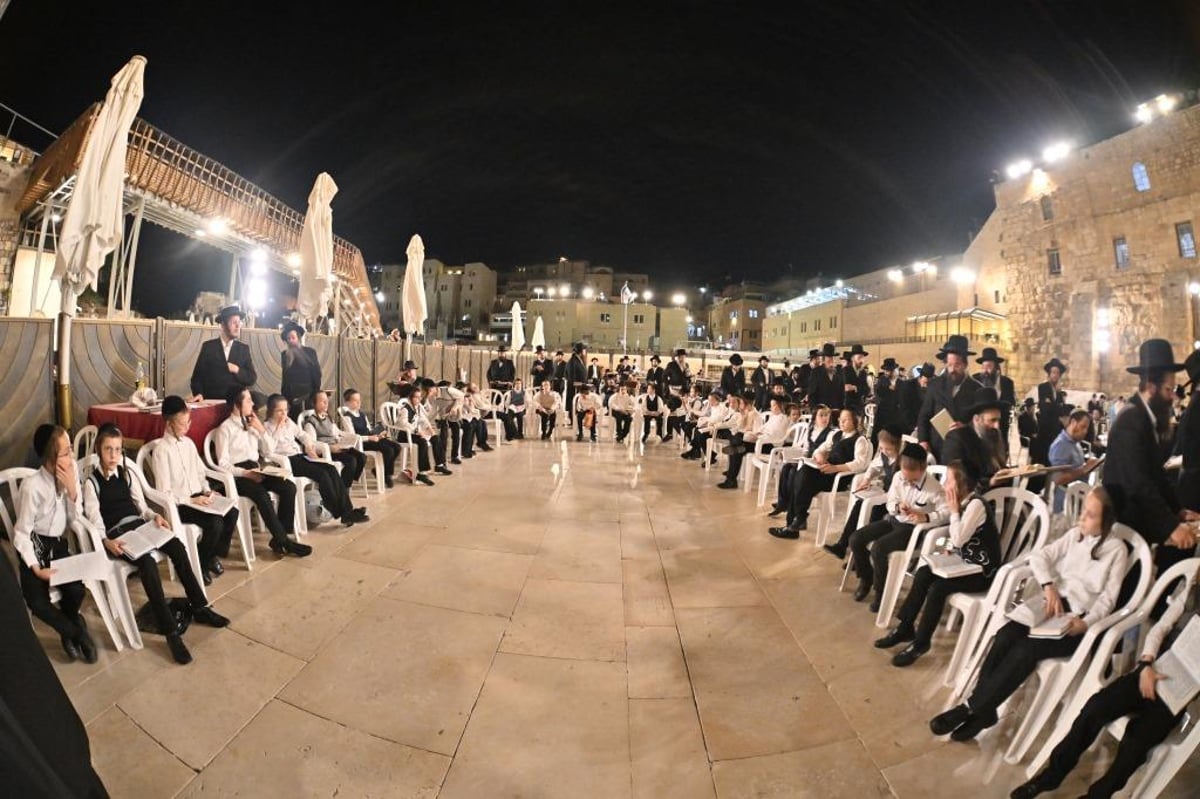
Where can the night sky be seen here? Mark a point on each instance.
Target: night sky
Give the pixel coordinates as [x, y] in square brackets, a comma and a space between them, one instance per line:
[689, 141]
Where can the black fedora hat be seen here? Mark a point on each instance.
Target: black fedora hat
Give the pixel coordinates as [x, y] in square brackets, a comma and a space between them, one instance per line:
[539, 348]
[1192, 364]
[680, 352]
[1155, 355]
[288, 327]
[987, 398]
[655, 359]
[888, 364]
[828, 351]
[989, 354]
[955, 345]
[408, 365]
[227, 312]
[1062, 367]
[928, 369]
[814, 354]
[857, 349]
[735, 359]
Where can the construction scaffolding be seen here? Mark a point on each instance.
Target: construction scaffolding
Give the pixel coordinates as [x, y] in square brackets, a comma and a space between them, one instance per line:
[172, 185]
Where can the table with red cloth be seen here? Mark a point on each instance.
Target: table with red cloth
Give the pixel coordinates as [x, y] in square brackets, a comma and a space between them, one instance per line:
[143, 426]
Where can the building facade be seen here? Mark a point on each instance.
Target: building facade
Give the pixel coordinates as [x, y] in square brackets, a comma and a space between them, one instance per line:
[735, 318]
[459, 299]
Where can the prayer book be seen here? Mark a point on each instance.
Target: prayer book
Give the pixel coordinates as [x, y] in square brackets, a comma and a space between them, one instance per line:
[219, 505]
[72, 569]
[273, 471]
[941, 421]
[1173, 462]
[140, 540]
[950, 564]
[868, 492]
[1181, 666]
[1032, 613]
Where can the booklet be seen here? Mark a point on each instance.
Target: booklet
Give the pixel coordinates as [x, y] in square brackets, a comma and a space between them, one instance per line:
[868, 492]
[950, 564]
[1181, 666]
[140, 540]
[87, 566]
[219, 505]
[1032, 613]
[273, 471]
[941, 421]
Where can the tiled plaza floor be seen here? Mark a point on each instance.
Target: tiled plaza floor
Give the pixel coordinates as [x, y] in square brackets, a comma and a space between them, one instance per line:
[599, 624]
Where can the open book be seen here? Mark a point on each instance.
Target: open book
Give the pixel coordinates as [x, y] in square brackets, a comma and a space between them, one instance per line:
[72, 569]
[868, 492]
[140, 540]
[273, 471]
[949, 564]
[1032, 613]
[218, 506]
[1181, 666]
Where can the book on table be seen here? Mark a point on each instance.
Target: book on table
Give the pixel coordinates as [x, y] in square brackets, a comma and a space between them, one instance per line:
[218, 505]
[148, 537]
[1181, 666]
[950, 564]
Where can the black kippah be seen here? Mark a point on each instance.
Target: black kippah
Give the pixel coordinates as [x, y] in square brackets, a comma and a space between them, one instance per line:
[172, 405]
[915, 451]
[41, 437]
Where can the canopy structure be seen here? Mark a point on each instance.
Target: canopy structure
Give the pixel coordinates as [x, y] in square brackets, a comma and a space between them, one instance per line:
[172, 185]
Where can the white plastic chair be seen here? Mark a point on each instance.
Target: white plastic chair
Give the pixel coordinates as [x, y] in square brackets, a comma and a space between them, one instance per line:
[1106, 665]
[246, 507]
[374, 463]
[86, 540]
[395, 421]
[496, 399]
[869, 504]
[827, 503]
[765, 464]
[902, 565]
[84, 441]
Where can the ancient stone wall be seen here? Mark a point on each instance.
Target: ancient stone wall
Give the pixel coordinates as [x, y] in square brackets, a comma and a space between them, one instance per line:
[12, 182]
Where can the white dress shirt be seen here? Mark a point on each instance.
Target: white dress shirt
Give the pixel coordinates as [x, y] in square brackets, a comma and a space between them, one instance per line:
[286, 438]
[923, 496]
[91, 500]
[862, 453]
[178, 470]
[236, 444]
[1090, 586]
[42, 509]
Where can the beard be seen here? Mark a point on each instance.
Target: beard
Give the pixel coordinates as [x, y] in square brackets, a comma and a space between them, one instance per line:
[995, 443]
[1162, 411]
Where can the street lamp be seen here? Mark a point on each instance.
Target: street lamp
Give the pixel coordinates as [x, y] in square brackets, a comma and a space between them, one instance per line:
[647, 295]
[678, 298]
[550, 292]
[588, 292]
[564, 290]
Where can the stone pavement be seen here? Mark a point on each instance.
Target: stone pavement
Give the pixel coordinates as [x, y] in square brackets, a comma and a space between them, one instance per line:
[594, 624]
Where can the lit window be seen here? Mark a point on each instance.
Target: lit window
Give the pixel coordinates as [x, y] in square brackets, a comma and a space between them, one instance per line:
[1187, 240]
[1053, 261]
[605, 318]
[732, 315]
[1047, 208]
[753, 313]
[1121, 252]
[1141, 178]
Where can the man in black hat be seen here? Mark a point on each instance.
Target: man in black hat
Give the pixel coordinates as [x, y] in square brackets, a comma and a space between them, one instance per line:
[558, 376]
[501, 371]
[677, 376]
[1137, 448]
[857, 378]
[224, 362]
[990, 376]
[825, 384]
[952, 391]
[1187, 437]
[542, 368]
[911, 392]
[887, 399]
[1050, 411]
[594, 374]
[733, 378]
[979, 444]
[657, 376]
[761, 378]
[301, 370]
[803, 373]
[408, 373]
[576, 374]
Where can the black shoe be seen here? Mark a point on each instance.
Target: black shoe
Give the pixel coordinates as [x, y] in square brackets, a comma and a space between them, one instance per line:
[443, 470]
[1028, 790]
[728, 484]
[290, 547]
[215, 567]
[909, 654]
[665, 440]
[87, 647]
[486, 447]
[579, 438]
[179, 652]
[348, 519]
[71, 648]
[206, 576]
[593, 439]
[875, 606]
[424, 478]
[210, 617]
[902, 634]
[863, 589]
[838, 552]
[784, 532]
[472, 454]
[360, 514]
[456, 461]
[691, 455]
[777, 509]
[947, 722]
[387, 482]
[975, 725]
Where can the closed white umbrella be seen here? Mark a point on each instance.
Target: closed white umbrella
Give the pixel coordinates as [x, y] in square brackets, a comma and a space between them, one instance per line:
[316, 250]
[518, 328]
[539, 334]
[95, 217]
[412, 299]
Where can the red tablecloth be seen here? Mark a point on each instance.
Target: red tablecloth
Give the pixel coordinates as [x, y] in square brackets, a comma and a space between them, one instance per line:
[149, 426]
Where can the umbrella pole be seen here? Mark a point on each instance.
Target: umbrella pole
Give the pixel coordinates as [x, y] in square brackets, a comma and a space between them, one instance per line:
[63, 383]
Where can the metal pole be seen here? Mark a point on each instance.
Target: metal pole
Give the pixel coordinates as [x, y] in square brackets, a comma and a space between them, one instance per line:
[233, 279]
[625, 326]
[131, 260]
[37, 261]
[64, 363]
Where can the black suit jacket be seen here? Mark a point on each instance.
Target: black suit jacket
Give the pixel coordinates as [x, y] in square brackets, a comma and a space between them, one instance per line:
[733, 382]
[301, 374]
[1134, 463]
[211, 376]
[674, 375]
[938, 396]
[826, 390]
[964, 444]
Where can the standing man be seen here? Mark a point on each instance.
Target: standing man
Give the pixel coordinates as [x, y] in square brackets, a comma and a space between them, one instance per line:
[656, 375]
[576, 373]
[953, 391]
[887, 400]
[1137, 448]
[677, 376]
[224, 362]
[803, 373]
[501, 372]
[989, 376]
[857, 379]
[825, 386]
[733, 378]
[978, 444]
[1050, 411]
[761, 380]
[912, 395]
[301, 371]
[542, 369]
[559, 376]
[594, 375]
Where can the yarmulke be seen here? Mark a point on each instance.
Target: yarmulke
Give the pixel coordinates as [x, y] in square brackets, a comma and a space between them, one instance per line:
[172, 405]
[41, 437]
[915, 451]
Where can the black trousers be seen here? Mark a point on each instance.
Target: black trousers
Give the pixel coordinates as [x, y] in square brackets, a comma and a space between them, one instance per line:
[1150, 724]
[65, 617]
[152, 582]
[216, 532]
[518, 421]
[548, 421]
[390, 451]
[657, 421]
[674, 425]
[280, 524]
[1010, 661]
[422, 450]
[623, 422]
[873, 544]
[806, 484]
[736, 456]
[353, 462]
[334, 495]
[579, 416]
[877, 513]
[927, 597]
[787, 473]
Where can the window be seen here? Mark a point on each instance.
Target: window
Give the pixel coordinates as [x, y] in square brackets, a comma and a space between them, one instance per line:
[804, 327]
[1141, 178]
[816, 324]
[1053, 261]
[605, 318]
[1187, 240]
[1047, 208]
[753, 313]
[466, 303]
[470, 287]
[1121, 252]
[639, 319]
[997, 293]
[832, 322]
[732, 316]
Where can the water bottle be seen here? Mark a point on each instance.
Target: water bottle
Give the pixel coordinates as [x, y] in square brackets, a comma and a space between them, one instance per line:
[140, 377]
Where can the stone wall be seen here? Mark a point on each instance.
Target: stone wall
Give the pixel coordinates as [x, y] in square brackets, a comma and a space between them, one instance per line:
[13, 179]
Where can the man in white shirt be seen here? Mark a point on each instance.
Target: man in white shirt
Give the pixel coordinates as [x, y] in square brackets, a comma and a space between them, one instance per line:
[545, 405]
[587, 411]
